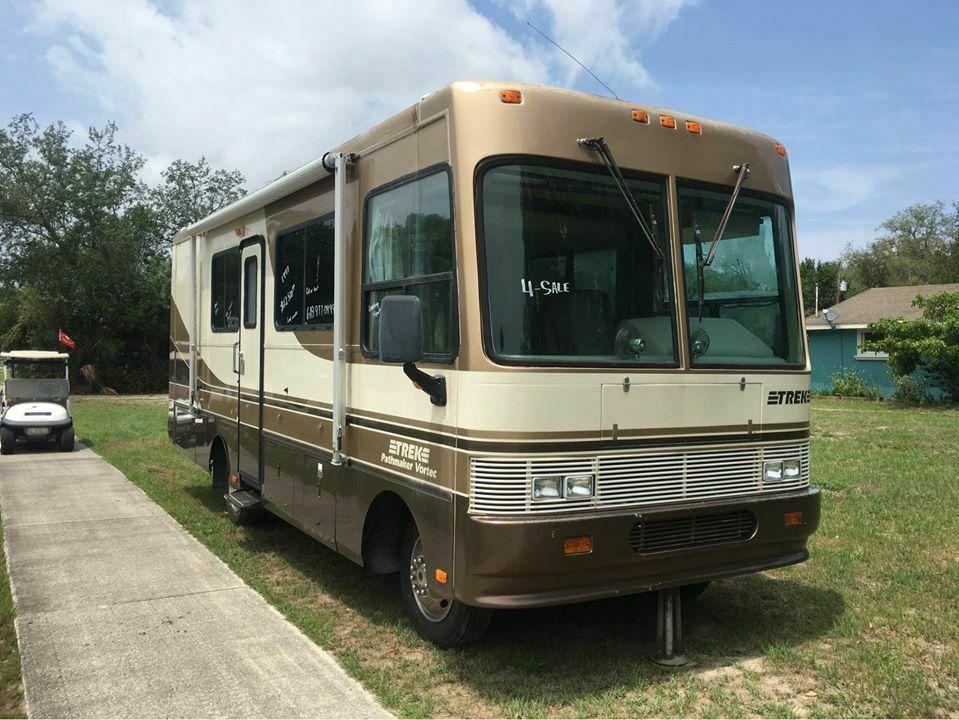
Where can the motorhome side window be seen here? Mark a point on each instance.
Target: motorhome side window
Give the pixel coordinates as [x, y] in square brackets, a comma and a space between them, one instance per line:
[225, 291]
[304, 276]
[409, 251]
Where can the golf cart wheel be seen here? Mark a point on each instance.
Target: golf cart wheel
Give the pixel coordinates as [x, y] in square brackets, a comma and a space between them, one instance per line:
[244, 516]
[8, 441]
[67, 440]
[443, 622]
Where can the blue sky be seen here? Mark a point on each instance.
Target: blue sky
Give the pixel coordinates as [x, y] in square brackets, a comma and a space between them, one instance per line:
[863, 94]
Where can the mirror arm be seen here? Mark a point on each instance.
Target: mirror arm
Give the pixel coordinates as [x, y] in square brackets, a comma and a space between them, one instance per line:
[432, 385]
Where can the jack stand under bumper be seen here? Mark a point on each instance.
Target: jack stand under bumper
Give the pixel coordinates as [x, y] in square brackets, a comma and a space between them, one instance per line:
[669, 628]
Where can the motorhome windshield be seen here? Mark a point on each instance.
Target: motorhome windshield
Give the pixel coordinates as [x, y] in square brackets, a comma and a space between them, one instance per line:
[569, 276]
[750, 301]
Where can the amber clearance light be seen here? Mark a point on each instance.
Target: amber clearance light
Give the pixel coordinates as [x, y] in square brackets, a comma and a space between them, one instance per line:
[579, 545]
[667, 121]
[694, 127]
[641, 116]
[780, 149]
[511, 97]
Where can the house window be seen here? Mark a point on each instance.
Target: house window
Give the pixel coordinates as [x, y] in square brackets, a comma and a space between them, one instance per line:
[862, 337]
[409, 251]
[225, 291]
[304, 276]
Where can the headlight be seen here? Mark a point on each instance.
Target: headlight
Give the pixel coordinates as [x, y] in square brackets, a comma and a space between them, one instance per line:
[772, 471]
[791, 468]
[547, 487]
[578, 486]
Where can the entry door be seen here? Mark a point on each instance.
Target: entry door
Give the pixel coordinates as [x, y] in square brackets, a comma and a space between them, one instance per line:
[248, 362]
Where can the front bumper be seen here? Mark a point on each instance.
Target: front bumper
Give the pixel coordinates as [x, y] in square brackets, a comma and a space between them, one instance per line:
[50, 424]
[516, 563]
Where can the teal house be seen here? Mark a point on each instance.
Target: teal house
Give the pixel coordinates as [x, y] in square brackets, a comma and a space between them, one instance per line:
[838, 345]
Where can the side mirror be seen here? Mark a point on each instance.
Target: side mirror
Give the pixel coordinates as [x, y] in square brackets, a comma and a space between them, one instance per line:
[401, 329]
[401, 341]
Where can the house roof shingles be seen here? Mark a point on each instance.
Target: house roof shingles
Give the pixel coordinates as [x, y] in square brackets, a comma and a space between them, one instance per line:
[879, 303]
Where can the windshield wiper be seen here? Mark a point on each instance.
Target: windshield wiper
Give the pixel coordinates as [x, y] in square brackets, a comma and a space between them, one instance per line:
[598, 144]
[704, 261]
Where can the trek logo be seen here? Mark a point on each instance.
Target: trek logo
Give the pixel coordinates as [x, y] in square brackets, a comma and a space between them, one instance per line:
[409, 451]
[409, 457]
[788, 397]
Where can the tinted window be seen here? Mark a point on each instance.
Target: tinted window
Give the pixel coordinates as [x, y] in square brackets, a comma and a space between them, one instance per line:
[409, 250]
[570, 275]
[249, 292]
[304, 276]
[225, 291]
[746, 310]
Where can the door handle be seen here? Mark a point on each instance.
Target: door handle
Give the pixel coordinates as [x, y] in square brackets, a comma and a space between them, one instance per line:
[236, 357]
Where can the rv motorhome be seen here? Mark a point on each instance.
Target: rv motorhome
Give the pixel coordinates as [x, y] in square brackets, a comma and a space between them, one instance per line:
[525, 346]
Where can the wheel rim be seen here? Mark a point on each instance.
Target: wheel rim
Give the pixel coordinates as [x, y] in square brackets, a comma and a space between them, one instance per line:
[432, 608]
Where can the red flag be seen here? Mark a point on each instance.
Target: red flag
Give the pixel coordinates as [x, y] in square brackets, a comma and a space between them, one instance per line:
[65, 339]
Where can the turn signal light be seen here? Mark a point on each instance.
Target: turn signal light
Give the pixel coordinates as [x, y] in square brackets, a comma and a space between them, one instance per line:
[667, 121]
[694, 127]
[511, 97]
[578, 545]
[780, 149]
[234, 480]
[441, 576]
[793, 519]
[641, 116]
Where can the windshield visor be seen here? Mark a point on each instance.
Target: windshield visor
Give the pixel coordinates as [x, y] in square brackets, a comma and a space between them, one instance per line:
[570, 277]
[750, 308]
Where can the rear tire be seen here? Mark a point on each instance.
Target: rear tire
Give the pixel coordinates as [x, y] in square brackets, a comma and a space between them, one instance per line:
[444, 623]
[67, 440]
[8, 441]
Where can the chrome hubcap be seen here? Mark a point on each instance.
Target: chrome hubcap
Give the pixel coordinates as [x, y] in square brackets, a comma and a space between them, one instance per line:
[434, 609]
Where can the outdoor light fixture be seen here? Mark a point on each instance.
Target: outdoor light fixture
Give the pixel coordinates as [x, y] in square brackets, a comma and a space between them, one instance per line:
[792, 468]
[548, 487]
[558, 487]
[578, 486]
[772, 471]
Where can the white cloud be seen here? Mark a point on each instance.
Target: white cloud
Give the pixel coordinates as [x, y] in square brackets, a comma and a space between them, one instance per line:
[265, 87]
[838, 188]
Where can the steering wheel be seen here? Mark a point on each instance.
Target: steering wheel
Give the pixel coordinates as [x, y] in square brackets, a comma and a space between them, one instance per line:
[50, 388]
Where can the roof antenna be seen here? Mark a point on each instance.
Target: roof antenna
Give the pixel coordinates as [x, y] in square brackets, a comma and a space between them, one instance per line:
[574, 60]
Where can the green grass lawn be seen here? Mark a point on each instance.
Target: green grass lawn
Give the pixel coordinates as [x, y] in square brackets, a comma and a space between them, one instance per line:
[11, 689]
[868, 627]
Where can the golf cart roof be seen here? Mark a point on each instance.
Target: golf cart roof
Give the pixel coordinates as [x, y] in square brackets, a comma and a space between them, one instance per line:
[34, 355]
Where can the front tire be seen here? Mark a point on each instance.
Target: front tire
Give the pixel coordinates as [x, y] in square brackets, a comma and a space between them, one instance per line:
[67, 440]
[8, 441]
[445, 623]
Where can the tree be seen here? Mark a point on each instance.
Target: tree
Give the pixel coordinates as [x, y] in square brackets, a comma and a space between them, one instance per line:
[929, 344]
[825, 274]
[192, 191]
[83, 246]
[920, 245]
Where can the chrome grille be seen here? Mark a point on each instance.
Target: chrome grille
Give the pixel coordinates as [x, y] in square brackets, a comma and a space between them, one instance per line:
[501, 485]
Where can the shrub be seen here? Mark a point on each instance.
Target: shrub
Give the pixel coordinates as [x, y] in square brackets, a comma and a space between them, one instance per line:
[912, 390]
[849, 383]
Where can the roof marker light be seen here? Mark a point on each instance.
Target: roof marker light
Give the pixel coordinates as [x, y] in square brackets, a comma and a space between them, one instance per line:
[667, 121]
[641, 116]
[511, 97]
[780, 149]
[694, 127]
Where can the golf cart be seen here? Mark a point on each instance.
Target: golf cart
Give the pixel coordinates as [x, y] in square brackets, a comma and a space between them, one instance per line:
[36, 399]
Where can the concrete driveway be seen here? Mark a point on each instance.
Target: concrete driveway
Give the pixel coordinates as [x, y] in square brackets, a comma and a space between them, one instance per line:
[121, 613]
